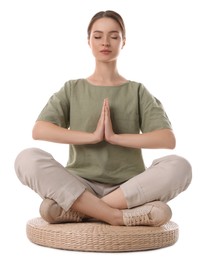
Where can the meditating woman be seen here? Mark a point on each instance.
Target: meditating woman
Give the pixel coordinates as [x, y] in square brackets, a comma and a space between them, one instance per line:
[106, 120]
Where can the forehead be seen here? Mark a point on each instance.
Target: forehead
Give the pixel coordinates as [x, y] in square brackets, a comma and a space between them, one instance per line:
[105, 24]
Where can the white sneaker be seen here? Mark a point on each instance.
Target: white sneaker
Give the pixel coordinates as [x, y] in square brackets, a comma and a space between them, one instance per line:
[154, 214]
[51, 212]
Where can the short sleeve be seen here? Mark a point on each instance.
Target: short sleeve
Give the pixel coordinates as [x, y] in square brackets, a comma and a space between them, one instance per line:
[57, 109]
[152, 114]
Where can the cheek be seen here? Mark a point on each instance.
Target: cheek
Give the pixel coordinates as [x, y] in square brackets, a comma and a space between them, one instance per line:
[93, 45]
[118, 47]
[94, 48]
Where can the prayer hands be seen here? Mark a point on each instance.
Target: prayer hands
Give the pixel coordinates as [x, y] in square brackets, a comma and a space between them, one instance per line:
[104, 129]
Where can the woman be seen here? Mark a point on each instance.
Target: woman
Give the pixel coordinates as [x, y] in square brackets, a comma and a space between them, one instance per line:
[107, 120]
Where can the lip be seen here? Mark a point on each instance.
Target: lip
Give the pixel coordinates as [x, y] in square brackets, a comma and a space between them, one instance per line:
[105, 51]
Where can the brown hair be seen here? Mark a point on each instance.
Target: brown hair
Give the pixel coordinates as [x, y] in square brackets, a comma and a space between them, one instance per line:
[109, 14]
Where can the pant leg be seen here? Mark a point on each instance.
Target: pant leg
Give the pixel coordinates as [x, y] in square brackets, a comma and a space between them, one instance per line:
[163, 180]
[38, 170]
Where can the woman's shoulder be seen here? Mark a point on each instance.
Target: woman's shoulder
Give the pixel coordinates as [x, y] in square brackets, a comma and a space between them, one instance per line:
[74, 82]
[71, 84]
[136, 84]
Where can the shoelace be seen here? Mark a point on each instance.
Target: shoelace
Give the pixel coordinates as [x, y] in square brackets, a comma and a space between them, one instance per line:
[138, 217]
[142, 219]
[71, 215]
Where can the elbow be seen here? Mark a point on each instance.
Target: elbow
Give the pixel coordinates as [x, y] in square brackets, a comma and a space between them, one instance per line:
[35, 132]
[171, 141]
[172, 145]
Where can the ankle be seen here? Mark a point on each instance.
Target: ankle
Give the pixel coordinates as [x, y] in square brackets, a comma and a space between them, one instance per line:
[116, 218]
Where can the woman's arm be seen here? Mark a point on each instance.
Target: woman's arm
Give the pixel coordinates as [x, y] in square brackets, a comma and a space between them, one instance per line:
[47, 131]
[163, 138]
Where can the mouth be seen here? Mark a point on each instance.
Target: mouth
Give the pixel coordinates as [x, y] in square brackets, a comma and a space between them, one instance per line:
[105, 51]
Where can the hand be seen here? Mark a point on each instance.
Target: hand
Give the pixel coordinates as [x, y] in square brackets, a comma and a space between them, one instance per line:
[99, 132]
[108, 131]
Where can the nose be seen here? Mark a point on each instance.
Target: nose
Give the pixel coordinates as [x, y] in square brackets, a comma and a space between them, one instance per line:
[106, 43]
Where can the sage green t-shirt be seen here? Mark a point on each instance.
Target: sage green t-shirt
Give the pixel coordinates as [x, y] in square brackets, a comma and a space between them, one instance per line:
[77, 106]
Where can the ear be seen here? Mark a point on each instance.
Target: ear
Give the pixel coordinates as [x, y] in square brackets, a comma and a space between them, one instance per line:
[124, 42]
[89, 42]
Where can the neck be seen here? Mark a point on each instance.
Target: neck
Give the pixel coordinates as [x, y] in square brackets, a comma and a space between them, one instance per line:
[106, 74]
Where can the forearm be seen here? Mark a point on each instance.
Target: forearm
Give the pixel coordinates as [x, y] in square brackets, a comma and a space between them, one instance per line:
[50, 132]
[163, 139]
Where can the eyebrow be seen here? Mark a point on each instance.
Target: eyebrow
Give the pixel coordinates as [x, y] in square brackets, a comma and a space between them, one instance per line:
[97, 31]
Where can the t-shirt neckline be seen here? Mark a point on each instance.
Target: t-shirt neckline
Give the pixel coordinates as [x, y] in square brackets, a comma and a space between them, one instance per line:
[116, 86]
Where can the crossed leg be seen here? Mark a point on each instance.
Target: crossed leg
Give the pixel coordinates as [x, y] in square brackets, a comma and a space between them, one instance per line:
[106, 209]
[35, 168]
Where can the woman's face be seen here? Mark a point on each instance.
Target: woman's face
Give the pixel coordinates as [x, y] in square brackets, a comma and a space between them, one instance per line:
[106, 39]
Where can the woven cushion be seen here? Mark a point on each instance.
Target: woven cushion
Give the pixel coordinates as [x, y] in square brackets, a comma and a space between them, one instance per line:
[96, 236]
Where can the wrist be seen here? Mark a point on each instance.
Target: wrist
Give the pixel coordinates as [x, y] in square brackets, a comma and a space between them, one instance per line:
[112, 139]
[95, 138]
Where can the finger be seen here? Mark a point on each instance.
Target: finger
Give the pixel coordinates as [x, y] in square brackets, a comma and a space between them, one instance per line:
[108, 108]
[102, 115]
[103, 108]
[107, 102]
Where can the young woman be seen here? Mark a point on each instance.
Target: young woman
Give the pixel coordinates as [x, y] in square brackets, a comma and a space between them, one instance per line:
[107, 120]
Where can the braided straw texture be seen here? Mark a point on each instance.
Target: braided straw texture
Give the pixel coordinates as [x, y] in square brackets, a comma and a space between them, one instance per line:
[101, 237]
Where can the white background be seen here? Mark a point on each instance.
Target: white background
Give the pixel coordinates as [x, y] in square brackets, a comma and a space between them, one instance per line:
[43, 44]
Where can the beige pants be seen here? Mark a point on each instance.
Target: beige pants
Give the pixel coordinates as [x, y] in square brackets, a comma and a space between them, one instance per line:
[163, 180]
